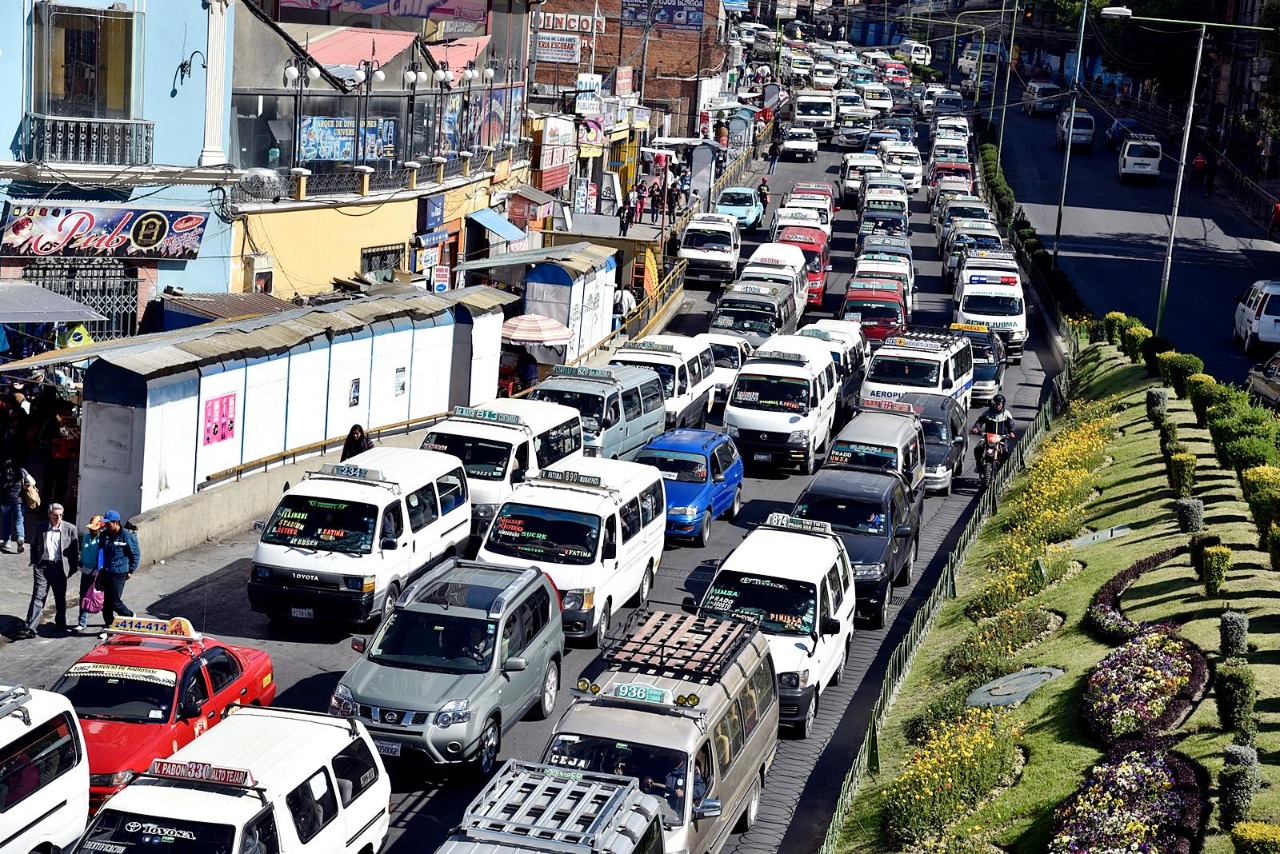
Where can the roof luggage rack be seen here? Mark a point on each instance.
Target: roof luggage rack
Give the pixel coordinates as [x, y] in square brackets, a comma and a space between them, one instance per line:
[13, 701]
[685, 646]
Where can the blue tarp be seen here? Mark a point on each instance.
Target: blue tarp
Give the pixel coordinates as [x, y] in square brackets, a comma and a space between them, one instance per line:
[494, 222]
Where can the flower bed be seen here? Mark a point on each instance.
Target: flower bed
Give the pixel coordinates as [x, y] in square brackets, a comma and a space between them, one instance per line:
[1127, 804]
[1104, 616]
[989, 649]
[1132, 687]
[953, 770]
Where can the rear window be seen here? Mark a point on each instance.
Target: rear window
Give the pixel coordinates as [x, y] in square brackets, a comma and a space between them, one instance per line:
[1272, 308]
[1142, 150]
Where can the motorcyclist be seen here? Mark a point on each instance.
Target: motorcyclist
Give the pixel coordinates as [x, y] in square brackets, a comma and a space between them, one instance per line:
[996, 419]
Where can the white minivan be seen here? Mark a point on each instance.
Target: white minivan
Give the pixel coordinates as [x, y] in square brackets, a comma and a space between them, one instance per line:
[44, 771]
[346, 539]
[687, 369]
[938, 362]
[596, 527]
[777, 262]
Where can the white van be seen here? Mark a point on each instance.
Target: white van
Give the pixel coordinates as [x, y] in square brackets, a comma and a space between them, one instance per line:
[687, 369]
[1140, 156]
[940, 362]
[776, 263]
[711, 244]
[345, 541]
[595, 527]
[267, 781]
[621, 406]
[503, 442]
[44, 771]
[915, 52]
[876, 97]
[996, 301]
[793, 576]
[850, 350]
[782, 408]
[990, 59]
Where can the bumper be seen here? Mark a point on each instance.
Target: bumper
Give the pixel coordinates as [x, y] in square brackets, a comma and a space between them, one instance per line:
[816, 292]
[800, 153]
[984, 391]
[937, 482]
[795, 703]
[870, 593]
[684, 527]
[771, 453]
[451, 745]
[580, 623]
[276, 600]
[703, 271]
[98, 796]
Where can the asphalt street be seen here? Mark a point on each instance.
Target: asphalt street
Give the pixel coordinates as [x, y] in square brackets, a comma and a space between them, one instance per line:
[1114, 236]
[207, 585]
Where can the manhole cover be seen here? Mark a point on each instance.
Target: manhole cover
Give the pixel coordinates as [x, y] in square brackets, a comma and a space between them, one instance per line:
[1014, 688]
[1099, 536]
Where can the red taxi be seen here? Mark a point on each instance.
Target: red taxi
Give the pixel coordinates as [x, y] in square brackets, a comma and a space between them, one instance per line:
[817, 258]
[949, 169]
[880, 305]
[151, 687]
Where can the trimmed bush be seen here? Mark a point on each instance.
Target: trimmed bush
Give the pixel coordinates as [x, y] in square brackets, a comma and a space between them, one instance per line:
[1239, 754]
[1250, 452]
[1217, 562]
[1236, 785]
[1175, 367]
[1182, 475]
[942, 710]
[1236, 692]
[1244, 423]
[1273, 545]
[1196, 384]
[1151, 349]
[1024, 233]
[1201, 540]
[1189, 512]
[1261, 487]
[1233, 634]
[1246, 735]
[1259, 481]
[1114, 322]
[1134, 336]
[1176, 448]
[1157, 404]
[1168, 436]
[1204, 395]
[1256, 837]
[1041, 260]
[1032, 244]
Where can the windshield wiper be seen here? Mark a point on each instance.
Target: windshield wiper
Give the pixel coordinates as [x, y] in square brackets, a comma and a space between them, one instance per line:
[102, 716]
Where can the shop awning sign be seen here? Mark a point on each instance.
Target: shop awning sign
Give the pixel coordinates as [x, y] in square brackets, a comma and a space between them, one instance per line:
[55, 230]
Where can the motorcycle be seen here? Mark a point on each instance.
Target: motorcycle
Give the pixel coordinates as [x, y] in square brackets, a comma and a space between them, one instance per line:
[991, 455]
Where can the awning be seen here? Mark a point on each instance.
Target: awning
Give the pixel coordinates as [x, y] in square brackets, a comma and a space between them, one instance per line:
[494, 222]
[22, 302]
[458, 53]
[735, 6]
[533, 194]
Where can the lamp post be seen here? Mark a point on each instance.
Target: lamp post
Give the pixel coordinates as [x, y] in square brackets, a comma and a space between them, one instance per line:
[1071, 129]
[299, 72]
[977, 80]
[1004, 104]
[469, 75]
[444, 79]
[1125, 12]
[368, 72]
[414, 74]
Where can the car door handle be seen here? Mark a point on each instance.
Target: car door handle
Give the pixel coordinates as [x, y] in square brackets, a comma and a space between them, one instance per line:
[244, 691]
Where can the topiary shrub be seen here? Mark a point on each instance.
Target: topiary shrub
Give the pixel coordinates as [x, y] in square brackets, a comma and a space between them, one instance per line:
[1190, 514]
[1157, 404]
[1217, 562]
[1168, 436]
[1240, 754]
[1273, 545]
[1233, 634]
[1151, 349]
[1113, 321]
[1249, 452]
[1201, 540]
[1032, 244]
[1236, 786]
[1261, 487]
[1256, 837]
[1041, 260]
[1196, 384]
[1133, 339]
[1231, 423]
[1246, 735]
[1182, 475]
[1236, 693]
[1175, 367]
[1204, 395]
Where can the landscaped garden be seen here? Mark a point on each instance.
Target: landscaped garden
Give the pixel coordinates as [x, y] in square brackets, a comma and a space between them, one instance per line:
[1161, 733]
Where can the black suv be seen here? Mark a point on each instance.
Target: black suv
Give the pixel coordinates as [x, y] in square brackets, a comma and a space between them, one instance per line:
[878, 520]
[946, 438]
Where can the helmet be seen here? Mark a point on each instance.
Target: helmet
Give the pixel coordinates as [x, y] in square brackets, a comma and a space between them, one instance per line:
[998, 400]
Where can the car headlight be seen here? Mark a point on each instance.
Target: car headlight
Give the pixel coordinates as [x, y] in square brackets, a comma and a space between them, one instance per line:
[731, 431]
[116, 780]
[341, 703]
[453, 712]
[799, 437]
[485, 511]
[579, 600]
[682, 511]
[360, 583]
[262, 573]
[939, 469]
[868, 570]
[793, 680]
[1017, 335]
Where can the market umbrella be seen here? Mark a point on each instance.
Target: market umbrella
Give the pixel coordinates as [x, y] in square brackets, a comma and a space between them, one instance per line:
[535, 329]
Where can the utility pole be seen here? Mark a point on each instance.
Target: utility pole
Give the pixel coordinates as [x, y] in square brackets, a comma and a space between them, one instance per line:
[1008, 75]
[1071, 129]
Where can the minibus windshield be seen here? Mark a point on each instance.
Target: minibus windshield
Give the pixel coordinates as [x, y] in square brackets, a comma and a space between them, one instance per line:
[129, 832]
[780, 605]
[545, 533]
[771, 394]
[326, 524]
[483, 459]
[658, 769]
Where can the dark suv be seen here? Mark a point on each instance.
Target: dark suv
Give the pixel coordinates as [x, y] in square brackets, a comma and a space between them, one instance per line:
[878, 520]
[946, 437]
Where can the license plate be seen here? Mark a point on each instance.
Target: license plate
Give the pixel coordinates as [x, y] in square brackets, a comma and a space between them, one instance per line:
[762, 458]
[303, 613]
[387, 748]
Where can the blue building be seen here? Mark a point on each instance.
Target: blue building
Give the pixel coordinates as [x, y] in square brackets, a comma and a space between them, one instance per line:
[114, 168]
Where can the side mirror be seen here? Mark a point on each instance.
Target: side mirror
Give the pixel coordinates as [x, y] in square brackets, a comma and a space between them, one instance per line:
[359, 644]
[829, 268]
[515, 664]
[187, 711]
[830, 626]
[718, 477]
[689, 604]
[259, 526]
[947, 383]
[389, 544]
[517, 476]
[709, 808]
[903, 531]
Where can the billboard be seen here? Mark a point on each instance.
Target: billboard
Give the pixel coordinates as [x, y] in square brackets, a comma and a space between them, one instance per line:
[333, 138]
[589, 101]
[71, 229]
[666, 14]
[559, 47]
[559, 142]
[465, 10]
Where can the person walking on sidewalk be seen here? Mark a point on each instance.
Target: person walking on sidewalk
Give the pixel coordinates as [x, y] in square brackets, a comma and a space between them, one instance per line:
[1275, 219]
[12, 479]
[624, 219]
[55, 555]
[656, 200]
[120, 558]
[90, 565]
[357, 443]
[775, 151]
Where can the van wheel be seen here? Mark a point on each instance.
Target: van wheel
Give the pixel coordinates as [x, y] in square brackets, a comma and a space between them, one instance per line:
[752, 812]
[602, 630]
[839, 674]
[487, 755]
[1251, 343]
[806, 726]
[736, 507]
[389, 603]
[810, 464]
[646, 588]
[908, 571]
[704, 533]
[550, 690]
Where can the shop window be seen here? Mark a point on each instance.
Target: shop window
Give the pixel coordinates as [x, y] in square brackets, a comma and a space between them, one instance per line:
[84, 64]
[388, 257]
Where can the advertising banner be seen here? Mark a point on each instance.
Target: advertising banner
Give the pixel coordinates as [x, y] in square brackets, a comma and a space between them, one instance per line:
[101, 231]
[569, 23]
[589, 101]
[559, 47]
[559, 142]
[667, 14]
[219, 419]
[333, 138]
[466, 10]
[623, 81]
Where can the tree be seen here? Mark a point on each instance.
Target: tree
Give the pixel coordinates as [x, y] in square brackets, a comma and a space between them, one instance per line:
[1269, 47]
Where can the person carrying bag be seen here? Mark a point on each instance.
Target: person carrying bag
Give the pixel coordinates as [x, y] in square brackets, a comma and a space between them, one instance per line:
[92, 597]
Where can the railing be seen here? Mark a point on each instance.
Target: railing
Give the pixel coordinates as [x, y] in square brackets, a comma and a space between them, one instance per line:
[640, 322]
[502, 152]
[392, 179]
[868, 756]
[334, 184]
[453, 168]
[105, 142]
[522, 150]
[264, 189]
[1253, 201]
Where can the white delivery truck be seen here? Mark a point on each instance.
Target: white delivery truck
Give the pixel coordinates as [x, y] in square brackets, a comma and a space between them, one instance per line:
[816, 110]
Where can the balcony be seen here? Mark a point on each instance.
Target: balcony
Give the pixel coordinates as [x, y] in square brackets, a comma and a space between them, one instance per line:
[99, 142]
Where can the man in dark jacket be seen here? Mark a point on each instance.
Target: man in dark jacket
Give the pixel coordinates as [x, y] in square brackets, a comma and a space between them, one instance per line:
[120, 558]
[55, 554]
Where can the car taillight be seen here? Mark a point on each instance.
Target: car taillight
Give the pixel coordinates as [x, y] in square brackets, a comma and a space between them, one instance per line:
[1257, 314]
[559, 598]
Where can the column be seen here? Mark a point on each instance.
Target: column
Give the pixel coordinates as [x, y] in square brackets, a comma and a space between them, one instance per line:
[215, 84]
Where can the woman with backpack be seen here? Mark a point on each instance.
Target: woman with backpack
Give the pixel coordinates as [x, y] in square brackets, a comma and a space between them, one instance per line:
[14, 480]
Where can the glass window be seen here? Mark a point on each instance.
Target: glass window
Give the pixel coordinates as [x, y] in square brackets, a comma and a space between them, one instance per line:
[392, 522]
[434, 643]
[728, 738]
[682, 466]
[612, 411]
[538, 613]
[40, 756]
[750, 709]
[422, 507]
[629, 513]
[84, 62]
[631, 405]
[558, 442]
[260, 835]
[195, 691]
[133, 832]
[513, 636]
[779, 606]
[453, 491]
[356, 770]
[323, 524]
[836, 585]
[482, 458]
[120, 692]
[771, 393]
[544, 533]
[652, 503]
[763, 682]
[222, 667]
[707, 362]
[694, 367]
[651, 396]
[312, 805]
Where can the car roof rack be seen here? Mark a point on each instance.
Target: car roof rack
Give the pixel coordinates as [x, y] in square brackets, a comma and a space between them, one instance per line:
[13, 701]
[685, 646]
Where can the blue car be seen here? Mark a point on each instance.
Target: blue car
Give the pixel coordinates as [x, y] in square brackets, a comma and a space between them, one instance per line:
[743, 203]
[702, 473]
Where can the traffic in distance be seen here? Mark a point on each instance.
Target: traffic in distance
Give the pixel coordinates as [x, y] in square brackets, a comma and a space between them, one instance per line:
[563, 557]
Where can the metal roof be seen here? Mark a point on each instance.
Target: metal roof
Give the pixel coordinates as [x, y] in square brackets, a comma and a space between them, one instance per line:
[24, 302]
[577, 258]
[218, 306]
[533, 194]
[481, 299]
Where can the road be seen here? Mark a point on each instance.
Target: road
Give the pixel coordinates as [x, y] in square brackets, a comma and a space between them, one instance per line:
[207, 585]
[1114, 237]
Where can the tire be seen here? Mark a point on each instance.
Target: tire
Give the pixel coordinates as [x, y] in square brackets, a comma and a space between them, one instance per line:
[546, 705]
[486, 758]
[907, 573]
[881, 618]
[602, 630]
[839, 674]
[646, 588]
[704, 532]
[984, 479]
[736, 507]
[389, 603]
[804, 729]
[810, 464]
[1251, 343]
[752, 810]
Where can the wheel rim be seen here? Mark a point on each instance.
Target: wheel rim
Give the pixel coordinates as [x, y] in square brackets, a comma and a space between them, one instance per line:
[810, 716]
[550, 687]
[753, 807]
[737, 500]
[489, 748]
[705, 536]
[393, 593]
[604, 622]
[646, 584]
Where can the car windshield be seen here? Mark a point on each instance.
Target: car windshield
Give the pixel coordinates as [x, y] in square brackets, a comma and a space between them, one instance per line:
[904, 158]
[874, 223]
[422, 640]
[813, 108]
[680, 466]
[325, 524]
[732, 198]
[935, 432]
[698, 238]
[862, 456]
[119, 692]
[867, 311]
[483, 459]
[743, 319]
[131, 833]
[771, 394]
[544, 533]
[855, 122]
[903, 370]
[985, 371]
[666, 372]
[845, 514]
[992, 305]
[588, 404]
[726, 356]
[780, 606]
[657, 768]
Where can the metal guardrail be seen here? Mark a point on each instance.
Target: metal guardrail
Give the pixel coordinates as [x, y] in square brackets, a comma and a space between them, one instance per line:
[106, 142]
[334, 184]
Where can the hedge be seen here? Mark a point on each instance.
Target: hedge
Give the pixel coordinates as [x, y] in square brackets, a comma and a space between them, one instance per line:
[1249, 452]
[1113, 323]
[1175, 367]
[1134, 338]
[1236, 692]
[1203, 395]
[1261, 487]
[1256, 837]
[1182, 474]
[1217, 562]
[1200, 541]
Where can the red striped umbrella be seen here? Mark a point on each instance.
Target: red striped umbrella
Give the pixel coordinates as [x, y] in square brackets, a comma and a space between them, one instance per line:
[535, 329]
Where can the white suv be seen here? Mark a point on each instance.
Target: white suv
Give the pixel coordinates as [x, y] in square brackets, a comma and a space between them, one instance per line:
[1258, 315]
[1139, 157]
[800, 144]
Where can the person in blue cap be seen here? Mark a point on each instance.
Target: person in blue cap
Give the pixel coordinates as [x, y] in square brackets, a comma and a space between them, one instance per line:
[120, 558]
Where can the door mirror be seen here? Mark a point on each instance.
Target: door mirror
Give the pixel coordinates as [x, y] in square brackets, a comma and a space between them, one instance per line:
[189, 710]
[515, 664]
[359, 644]
[718, 477]
[517, 476]
[829, 268]
[389, 544]
[903, 531]
[709, 808]
[830, 626]
[689, 605]
[947, 383]
[959, 439]
[259, 526]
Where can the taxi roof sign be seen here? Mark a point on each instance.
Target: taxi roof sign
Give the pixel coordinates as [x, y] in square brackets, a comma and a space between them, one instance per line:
[792, 523]
[201, 772]
[571, 477]
[914, 344]
[356, 472]
[779, 356]
[814, 332]
[793, 234]
[655, 346]
[487, 415]
[888, 406]
[589, 373]
[759, 290]
[177, 627]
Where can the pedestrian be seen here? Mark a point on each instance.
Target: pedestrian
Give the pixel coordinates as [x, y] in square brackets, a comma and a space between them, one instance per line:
[120, 558]
[624, 219]
[695, 201]
[526, 369]
[1197, 168]
[624, 302]
[655, 202]
[14, 480]
[641, 194]
[775, 151]
[1275, 219]
[55, 555]
[90, 569]
[1210, 174]
[357, 442]
[673, 201]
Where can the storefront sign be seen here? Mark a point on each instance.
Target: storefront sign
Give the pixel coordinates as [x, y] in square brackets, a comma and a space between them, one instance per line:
[641, 117]
[559, 47]
[667, 14]
[558, 142]
[333, 138]
[466, 10]
[588, 101]
[219, 419]
[435, 212]
[569, 23]
[101, 231]
[440, 280]
[622, 81]
[591, 139]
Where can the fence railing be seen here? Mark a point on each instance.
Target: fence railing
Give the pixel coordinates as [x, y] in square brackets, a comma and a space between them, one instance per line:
[867, 759]
[105, 142]
[392, 179]
[333, 184]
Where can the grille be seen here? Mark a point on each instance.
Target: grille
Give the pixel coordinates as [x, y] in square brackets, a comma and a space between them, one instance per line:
[764, 436]
[402, 716]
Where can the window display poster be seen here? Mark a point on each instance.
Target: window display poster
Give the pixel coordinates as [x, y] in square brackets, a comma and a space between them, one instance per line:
[219, 419]
[354, 399]
[400, 381]
[333, 138]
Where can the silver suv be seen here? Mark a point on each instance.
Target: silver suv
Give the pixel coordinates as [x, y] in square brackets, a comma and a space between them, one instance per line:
[465, 653]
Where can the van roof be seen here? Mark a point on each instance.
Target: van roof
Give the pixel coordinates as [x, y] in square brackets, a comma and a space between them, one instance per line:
[777, 254]
[794, 555]
[600, 379]
[584, 483]
[22, 707]
[662, 346]
[883, 426]
[505, 414]
[370, 475]
[816, 352]
[716, 219]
